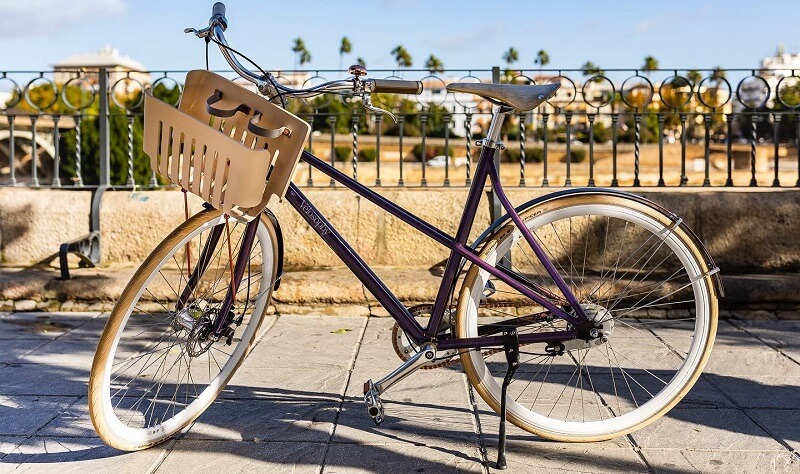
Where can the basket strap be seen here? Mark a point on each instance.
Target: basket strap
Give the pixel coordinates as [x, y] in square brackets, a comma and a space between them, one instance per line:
[223, 113]
[253, 128]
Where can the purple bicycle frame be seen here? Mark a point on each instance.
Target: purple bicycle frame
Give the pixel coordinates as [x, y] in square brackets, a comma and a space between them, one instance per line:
[458, 250]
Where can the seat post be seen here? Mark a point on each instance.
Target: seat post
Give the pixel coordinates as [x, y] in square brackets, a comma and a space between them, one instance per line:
[499, 113]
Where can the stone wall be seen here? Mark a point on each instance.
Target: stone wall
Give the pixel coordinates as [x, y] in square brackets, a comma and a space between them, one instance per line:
[746, 230]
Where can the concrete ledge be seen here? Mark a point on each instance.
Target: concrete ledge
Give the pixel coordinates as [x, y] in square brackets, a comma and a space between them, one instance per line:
[746, 231]
[338, 292]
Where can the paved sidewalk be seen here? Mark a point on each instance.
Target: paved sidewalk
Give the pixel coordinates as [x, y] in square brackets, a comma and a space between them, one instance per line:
[290, 410]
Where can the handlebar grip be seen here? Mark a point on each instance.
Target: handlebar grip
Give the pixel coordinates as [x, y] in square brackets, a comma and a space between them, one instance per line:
[218, 14]
[392, 86]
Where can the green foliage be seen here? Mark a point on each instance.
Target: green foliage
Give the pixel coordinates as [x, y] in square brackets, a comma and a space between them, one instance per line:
[648, 129]
[367, 154]
[650, 64]
[402, 56]
[511, 56]
[430, 151]
[536, 154]
[542, 58]
[345, 47]
[591, 69]
[90, 134]
[343, 153]
[434, 64]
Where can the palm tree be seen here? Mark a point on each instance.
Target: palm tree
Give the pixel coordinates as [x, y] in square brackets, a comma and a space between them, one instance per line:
[694, 76]
[360, 60]
[298, 48]
[542, 59]
[717, 74]
[402, 57]
[650, 64]
[510, 57]
[591, 69]
[345, 47]
[434, 64]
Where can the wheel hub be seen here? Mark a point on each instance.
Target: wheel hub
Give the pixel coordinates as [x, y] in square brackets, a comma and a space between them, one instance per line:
[597, 331]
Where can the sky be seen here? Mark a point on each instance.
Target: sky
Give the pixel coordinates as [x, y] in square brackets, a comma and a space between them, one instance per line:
[464, 34]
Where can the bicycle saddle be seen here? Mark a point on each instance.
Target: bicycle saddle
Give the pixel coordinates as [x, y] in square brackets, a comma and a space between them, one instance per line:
[520, 97]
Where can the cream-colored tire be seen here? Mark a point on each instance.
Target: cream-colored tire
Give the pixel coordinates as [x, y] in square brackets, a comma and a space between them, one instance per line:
[644, 281]
[152, 376]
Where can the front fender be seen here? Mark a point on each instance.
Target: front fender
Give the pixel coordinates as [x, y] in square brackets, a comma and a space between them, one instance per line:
[270, 217]
[479, 241]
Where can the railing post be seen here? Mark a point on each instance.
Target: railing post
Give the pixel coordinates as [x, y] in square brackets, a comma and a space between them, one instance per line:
[12, 150]
[332, 123]
[753, 181]
[568, 118]
[78, 157]
[591, 150]
[684, 178]
[400, 122]
[310, 120]
[423, 125]
[545, 118]
[707, 149]
[614, 135]
[57, 158]
[522, 117]
[34, 153]
[447, 150]
[661, 150]
[355, 146]
[378, 124]
[637, 121]
[776, 183]
[797, 145]
[729, 181]
[131, 182]
[468, 126]
[105, 142]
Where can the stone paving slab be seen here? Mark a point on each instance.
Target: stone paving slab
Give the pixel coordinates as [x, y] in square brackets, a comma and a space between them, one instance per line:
[295, 406]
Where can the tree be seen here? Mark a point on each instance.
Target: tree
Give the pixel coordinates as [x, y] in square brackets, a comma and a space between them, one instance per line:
[402, 57]
[434, 64]
[345, 47]
[542, 58]
[360, 60]
[694, 76]
[511, 56]
[591, 69]
[300, 51]
[717, 74]
[650, 64]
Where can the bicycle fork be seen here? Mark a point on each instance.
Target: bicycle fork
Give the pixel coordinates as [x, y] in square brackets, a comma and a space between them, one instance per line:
[225, 315]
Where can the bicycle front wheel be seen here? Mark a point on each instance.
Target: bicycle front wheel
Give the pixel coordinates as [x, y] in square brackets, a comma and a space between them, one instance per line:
[155, 371]
[636, 274]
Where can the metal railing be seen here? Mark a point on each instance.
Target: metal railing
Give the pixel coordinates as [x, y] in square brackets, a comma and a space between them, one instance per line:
[78, 129]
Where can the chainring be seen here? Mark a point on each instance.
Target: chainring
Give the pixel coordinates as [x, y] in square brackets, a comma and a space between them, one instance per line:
[405, 348]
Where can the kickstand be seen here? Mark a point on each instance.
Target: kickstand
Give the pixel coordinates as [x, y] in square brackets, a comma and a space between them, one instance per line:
[511, 347]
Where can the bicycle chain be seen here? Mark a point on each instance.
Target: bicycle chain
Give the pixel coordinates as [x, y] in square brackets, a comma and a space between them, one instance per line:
[423, 309]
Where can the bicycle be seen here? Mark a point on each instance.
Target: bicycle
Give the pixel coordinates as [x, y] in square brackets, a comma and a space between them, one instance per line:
[550, 310]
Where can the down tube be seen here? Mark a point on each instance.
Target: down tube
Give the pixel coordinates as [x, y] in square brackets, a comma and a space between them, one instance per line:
[354, 262]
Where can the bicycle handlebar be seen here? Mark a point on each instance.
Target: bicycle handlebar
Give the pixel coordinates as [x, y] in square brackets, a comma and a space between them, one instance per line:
[393, 86]
[217, 24]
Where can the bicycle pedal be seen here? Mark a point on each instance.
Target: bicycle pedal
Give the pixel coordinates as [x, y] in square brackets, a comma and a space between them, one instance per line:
[373, 400]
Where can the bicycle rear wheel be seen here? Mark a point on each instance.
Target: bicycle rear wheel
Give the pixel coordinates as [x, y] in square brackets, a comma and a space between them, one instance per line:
[154, 372]
[635, 272]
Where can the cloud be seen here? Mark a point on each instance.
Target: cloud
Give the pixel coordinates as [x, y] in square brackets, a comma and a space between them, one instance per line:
[32, 18]
[458, 41]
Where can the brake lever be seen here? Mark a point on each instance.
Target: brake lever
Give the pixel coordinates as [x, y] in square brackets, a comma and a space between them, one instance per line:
[371, 107]
[203, 33]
